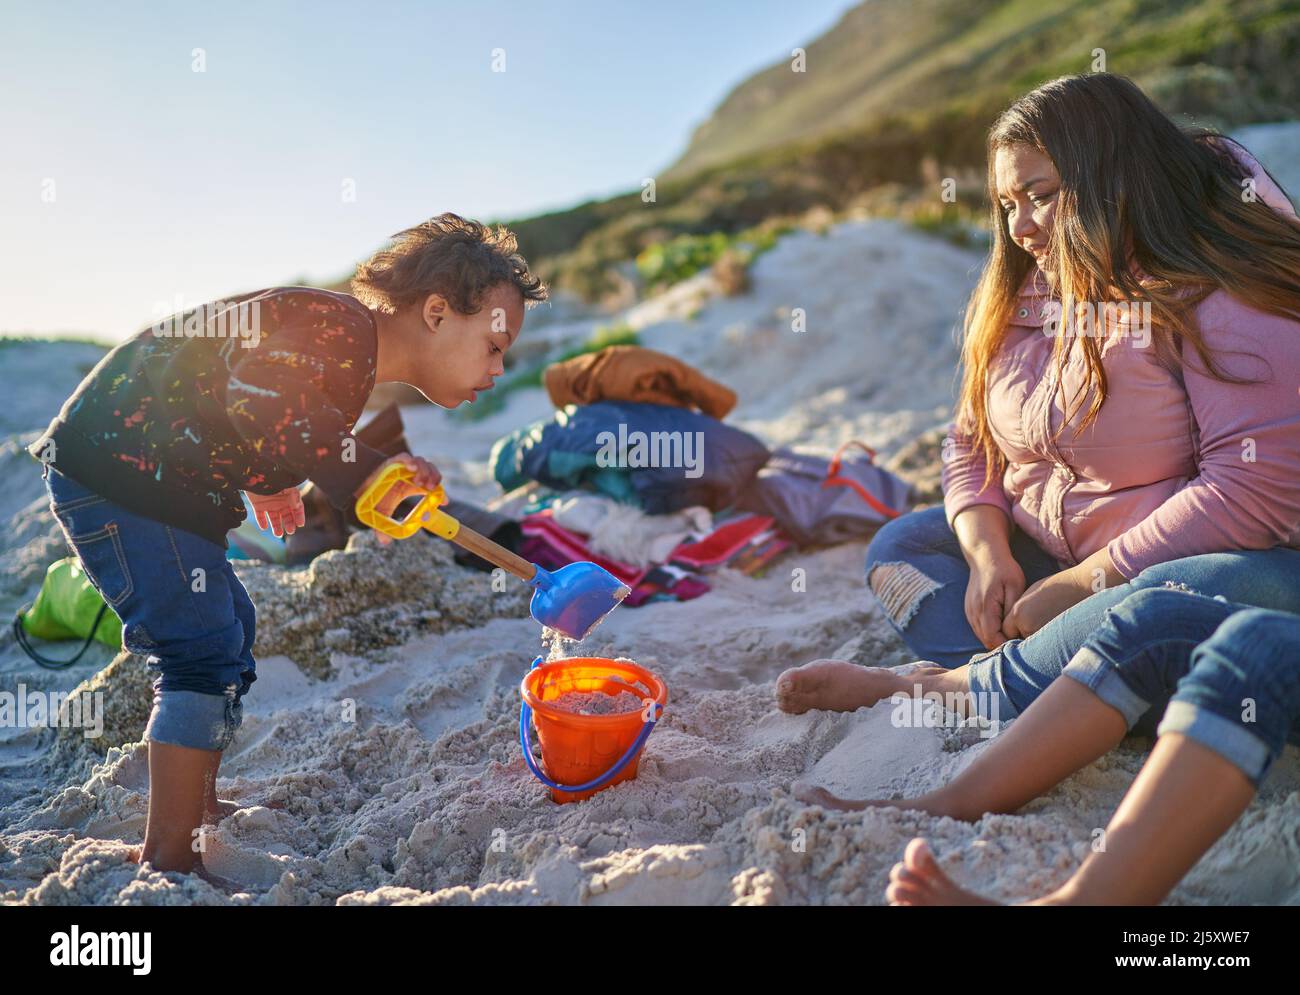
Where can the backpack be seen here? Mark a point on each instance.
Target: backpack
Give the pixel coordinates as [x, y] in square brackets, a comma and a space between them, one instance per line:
[817, 501]
[67, 607]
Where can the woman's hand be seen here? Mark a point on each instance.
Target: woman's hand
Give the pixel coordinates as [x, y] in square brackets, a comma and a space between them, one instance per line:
[996, 582]
[1052, 595]
[282, 513]
[427, 478]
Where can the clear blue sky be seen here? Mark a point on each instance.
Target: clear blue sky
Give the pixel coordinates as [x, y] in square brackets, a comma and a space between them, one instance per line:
[175, 185]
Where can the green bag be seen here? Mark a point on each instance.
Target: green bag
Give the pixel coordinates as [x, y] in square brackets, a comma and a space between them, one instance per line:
[67, 607]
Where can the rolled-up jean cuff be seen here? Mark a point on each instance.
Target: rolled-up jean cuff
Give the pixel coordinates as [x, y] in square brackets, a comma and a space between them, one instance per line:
[982, 676]
[190, 718]
[1099, 676]
[1239, 746]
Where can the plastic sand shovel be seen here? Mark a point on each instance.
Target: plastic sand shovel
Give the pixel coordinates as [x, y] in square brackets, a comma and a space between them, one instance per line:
[571, 600]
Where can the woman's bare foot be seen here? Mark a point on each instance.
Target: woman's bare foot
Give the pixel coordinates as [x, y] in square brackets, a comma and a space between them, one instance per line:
[835, 686]
[917, 880]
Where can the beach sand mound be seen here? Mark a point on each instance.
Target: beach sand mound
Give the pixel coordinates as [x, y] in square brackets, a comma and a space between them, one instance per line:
[366, 597]
[125, 690]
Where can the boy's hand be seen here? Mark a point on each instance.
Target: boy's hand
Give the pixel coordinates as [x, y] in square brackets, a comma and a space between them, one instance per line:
[1042, 602]
[282, 513]
[427, 478]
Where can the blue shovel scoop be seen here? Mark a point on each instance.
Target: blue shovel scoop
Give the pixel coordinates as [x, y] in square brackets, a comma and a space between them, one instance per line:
[571, 600]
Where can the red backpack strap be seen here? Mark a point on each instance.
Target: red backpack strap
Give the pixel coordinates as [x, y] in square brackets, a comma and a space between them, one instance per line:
[833, 478]
[834, 469]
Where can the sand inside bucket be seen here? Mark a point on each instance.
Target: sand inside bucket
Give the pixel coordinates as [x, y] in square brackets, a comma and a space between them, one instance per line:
[597, 703]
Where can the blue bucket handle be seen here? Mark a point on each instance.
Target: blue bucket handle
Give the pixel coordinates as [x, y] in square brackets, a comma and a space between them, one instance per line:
[525, 741]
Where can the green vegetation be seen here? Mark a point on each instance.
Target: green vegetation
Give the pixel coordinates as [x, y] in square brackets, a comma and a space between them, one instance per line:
[898, 57]
[664, 263]
[953, 223]
[772, 187]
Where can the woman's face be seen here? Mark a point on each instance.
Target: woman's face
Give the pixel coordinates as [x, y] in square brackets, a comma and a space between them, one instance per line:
[1027, 189]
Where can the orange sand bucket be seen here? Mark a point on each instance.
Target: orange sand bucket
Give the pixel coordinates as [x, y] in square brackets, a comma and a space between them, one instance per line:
[582, 754]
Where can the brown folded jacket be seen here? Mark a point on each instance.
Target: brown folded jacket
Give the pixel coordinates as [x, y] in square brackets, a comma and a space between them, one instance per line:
[631, 373]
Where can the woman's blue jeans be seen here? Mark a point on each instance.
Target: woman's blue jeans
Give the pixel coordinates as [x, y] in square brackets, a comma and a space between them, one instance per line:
[181, 606]
[924, 595]
[1223, 674]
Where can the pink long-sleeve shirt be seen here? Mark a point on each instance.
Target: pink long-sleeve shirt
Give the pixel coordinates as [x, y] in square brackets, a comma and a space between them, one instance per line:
[1176, 464]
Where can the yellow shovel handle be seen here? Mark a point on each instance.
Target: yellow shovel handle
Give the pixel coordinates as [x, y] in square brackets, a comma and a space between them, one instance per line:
[425, 515]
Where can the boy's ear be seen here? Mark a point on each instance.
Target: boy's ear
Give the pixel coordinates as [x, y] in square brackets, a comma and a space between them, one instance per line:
[435, 309]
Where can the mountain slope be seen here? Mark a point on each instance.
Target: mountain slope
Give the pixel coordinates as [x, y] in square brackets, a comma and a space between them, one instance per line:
[896, 57]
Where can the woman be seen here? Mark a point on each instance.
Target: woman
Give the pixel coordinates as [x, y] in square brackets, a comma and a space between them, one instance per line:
[1158, 442]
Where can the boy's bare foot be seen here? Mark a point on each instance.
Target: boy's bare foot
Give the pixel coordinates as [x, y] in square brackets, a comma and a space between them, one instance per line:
[223, 884]
[836, 686]
[917, 880]
[212, 814]
[220, 883]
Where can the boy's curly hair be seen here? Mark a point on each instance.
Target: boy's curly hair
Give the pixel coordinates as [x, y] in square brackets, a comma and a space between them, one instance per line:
[449, 255]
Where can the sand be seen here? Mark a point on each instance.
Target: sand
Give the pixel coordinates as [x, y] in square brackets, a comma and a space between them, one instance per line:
[423, 797]
[596, 703]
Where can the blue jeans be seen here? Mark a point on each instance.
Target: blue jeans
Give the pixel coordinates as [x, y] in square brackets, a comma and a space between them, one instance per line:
[181, 606]
[926, 603]
[1223, 674]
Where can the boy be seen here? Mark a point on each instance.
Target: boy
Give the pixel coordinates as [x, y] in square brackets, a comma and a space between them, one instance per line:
[146, 461]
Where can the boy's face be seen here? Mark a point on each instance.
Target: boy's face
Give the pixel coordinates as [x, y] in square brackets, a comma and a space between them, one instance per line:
[467, 351]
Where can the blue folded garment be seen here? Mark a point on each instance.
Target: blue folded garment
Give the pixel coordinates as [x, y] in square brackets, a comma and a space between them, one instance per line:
[659, 457]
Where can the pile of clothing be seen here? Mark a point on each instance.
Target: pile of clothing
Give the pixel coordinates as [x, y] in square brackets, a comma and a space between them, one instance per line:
[636, 471]
[627, 427]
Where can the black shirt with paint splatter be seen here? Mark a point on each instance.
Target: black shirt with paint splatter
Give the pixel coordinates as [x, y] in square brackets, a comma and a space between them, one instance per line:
[256, 393]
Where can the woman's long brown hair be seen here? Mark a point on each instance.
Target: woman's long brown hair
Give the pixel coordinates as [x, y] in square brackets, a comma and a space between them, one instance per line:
[1130, 177]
